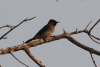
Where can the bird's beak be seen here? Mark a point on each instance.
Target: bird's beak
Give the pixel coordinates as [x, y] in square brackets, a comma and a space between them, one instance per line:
[58, 22]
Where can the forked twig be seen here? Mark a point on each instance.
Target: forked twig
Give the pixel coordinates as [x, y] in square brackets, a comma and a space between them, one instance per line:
[15, 27]
[89, 33]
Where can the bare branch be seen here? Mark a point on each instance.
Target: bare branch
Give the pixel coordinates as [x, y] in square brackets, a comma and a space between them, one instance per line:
[39, 42]
[19, 60]
[15, 27]
[4, 26]
[90, 32]
[88, 24]
[94, 26]
[95, 37]
[30, 18]
[7, 26]
[83, 46]
[26, 46]
[33, 58]
[93, 59]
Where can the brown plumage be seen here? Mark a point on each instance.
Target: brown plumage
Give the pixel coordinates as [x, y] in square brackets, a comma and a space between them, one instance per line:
[45, 32]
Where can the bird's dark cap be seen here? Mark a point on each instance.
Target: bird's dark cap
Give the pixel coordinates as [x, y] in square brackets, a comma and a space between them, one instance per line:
[53, 22]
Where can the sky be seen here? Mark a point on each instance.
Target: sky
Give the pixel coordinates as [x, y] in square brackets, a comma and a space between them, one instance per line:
[71, 14]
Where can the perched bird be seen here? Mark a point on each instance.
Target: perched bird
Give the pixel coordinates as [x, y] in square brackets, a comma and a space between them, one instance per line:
[45, 32]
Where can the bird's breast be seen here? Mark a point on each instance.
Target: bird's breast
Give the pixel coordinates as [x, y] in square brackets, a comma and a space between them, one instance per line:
[48, 32]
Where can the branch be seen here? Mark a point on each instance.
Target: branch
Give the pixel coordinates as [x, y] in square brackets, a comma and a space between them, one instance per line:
[15, 27]
[7, 26]
[26, 46]
[71, 39]
[88, 25]
[89, 33]
[94, 25]
[33, 58]
[95, 37]
[93, 59]
[39, 42]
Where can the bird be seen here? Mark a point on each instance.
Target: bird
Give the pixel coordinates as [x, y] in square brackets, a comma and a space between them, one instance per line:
[46, 31]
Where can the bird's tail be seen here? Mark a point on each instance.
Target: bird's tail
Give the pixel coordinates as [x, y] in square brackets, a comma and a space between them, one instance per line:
[29, 40]
[36, 37]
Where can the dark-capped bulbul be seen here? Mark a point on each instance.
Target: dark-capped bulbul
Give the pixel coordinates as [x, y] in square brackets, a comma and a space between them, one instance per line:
[45, 32]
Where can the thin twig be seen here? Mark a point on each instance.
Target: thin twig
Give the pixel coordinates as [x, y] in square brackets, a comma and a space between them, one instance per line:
[7, 26]
[94, 26]
[88, 24]
[94, 40]
[19, 60]
[15, 27]
[90, 31]
[4, 38]
[30, 18]
[93, 59]
[3, 26]
[95, 37]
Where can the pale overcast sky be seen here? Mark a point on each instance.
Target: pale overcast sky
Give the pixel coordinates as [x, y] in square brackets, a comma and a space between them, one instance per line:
[71, 14]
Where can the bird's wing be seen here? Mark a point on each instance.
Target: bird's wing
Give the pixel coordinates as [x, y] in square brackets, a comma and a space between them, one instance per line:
[37, 36]
[45, 28]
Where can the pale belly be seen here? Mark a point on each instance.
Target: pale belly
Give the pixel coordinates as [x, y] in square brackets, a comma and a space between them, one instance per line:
[46, 34]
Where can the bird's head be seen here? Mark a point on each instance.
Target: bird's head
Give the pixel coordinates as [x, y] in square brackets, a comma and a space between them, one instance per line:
[53, 22]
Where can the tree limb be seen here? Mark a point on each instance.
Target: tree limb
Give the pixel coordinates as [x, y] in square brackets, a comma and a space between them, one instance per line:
[33, 58]
[39, 42]
[15, 27]
[26, 46]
